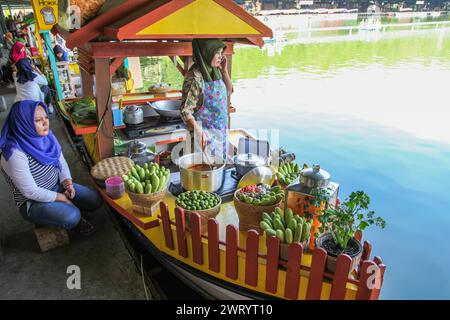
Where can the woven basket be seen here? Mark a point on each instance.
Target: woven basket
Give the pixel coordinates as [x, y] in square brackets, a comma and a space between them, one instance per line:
[115, 166]
[204, 216]
[250, 215]
[146, 204]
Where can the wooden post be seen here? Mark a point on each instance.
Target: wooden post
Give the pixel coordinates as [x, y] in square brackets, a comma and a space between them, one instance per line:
[231, 252]
[181, 232]
[319, 259]
[213, 245]
[368, 268]
[197, 246]
[273, 254]
[103, 87]
[340, 277]
[293, 278]
[87, 83]
[251, 258]
[168, 237]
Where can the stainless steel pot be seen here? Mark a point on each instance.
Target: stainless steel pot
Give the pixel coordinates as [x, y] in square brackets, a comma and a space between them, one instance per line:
[207, 180]
[133, 115]
[247, 161]
[314, 177]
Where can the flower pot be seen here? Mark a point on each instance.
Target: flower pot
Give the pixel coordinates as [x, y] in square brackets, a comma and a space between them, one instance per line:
[354, 250]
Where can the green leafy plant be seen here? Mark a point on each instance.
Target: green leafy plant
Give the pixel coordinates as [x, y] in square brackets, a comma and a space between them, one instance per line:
[352, 215]
[319, 196]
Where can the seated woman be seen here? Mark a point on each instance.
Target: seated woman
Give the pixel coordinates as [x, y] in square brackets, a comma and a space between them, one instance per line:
[31, 84]
[60, 53]
[18, 51]
[37, 172]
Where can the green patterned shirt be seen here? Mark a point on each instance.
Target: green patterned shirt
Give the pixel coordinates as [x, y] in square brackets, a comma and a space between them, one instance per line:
[192, 94]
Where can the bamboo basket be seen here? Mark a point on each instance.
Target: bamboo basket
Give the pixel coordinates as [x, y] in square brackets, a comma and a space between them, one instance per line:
[146, 204]
[250, 215]
[109, 167]
[204, 216]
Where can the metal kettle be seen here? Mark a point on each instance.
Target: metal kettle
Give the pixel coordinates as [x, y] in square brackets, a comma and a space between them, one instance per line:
[133, 115]
[138, 152]
[300, 191]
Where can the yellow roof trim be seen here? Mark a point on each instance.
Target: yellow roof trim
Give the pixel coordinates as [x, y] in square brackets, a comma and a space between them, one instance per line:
[215, 20]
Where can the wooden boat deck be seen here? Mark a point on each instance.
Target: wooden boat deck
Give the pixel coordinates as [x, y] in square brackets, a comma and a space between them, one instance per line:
[246, 259]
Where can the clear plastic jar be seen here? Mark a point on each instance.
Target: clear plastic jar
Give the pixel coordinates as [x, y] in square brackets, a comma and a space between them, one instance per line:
[115, 187]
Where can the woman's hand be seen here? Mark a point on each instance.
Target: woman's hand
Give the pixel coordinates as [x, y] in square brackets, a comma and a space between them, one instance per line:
[224, 65]
[70, 192]
[69, 189]
[60, 197]
[202, 136]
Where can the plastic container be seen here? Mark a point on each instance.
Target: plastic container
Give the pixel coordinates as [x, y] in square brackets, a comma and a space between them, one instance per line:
[115, 187]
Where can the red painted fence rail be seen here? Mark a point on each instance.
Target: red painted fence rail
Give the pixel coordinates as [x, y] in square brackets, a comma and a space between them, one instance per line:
[371, 273]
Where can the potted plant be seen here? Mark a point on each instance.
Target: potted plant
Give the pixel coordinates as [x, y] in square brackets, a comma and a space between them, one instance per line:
[339, 225]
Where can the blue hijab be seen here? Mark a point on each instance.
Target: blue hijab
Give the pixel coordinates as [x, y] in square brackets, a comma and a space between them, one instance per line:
[25, 71]
[19, 132]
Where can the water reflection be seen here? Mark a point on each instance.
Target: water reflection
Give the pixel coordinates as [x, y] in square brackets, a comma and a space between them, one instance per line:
[374, 114]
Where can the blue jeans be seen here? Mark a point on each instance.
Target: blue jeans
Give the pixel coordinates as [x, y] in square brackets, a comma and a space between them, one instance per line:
[60, 214]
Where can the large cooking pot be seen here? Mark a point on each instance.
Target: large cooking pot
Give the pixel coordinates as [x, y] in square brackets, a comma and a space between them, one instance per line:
[196, 174]
[314, 177]
[247, 161]
[133, 115]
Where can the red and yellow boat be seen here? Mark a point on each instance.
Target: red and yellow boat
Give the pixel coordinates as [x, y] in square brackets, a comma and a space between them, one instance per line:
[224, 262]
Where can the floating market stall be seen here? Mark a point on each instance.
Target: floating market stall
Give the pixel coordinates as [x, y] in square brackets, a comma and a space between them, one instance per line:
[220, 243]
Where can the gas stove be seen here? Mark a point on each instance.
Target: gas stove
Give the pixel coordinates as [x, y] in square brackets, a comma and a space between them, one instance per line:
[154, 126]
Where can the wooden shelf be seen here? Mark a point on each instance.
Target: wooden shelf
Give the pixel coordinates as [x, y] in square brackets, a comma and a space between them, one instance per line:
[139, 98]
[82, 129]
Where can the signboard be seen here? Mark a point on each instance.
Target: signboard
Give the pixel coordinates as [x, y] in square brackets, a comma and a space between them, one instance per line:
[420, 2]
[306, 2]
[46, 13]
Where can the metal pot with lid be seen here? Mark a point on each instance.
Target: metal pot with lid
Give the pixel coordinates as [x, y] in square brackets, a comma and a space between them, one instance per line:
[133, 115]
[247, 161]
[314, 177]
[137, 151]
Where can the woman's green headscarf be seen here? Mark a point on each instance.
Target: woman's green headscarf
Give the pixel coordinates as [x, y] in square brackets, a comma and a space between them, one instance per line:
[203, 51]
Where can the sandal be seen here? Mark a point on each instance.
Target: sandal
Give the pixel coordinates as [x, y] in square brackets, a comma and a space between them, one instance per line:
[85, 228]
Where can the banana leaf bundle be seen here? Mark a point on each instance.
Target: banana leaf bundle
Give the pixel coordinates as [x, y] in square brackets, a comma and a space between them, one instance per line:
[83, 111]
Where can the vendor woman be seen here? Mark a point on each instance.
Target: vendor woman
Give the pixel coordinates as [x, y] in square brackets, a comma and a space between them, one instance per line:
[37, 173]
[206, 91]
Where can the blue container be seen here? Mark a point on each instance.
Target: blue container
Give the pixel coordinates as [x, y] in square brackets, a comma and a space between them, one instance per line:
[118, 117]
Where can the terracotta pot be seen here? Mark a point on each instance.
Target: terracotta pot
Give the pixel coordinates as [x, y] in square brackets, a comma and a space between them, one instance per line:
[332, 258]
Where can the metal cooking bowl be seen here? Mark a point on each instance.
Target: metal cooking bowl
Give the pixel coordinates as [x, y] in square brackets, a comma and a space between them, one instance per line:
[257, 175]
[167, 108]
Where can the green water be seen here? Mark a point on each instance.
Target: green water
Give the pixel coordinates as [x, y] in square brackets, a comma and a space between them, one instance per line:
[372, 108]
